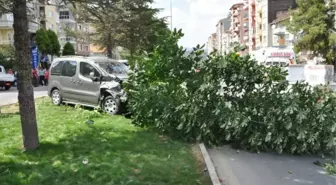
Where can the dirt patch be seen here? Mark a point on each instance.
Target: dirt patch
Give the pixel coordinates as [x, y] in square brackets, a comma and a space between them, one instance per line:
[10, 109]
[201, 166]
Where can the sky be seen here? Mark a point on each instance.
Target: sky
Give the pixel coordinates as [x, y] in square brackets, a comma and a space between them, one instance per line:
[196, 18]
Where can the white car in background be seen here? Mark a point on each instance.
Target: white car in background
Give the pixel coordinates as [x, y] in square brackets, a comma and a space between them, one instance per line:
[6, 80]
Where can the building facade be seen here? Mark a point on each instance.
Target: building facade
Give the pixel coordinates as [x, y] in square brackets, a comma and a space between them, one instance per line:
[280, 36]
[212, 43]
[7, 20]
[266, 12]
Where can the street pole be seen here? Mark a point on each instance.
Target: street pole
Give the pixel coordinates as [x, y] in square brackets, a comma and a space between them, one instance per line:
[171, 14]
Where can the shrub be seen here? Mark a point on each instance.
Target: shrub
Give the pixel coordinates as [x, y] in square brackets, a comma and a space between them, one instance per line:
[68, 49]
[229, 99]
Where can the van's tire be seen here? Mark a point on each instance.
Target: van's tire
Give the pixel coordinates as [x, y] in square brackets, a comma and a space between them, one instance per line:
[110, 105]
[7, 87]
[56, 97]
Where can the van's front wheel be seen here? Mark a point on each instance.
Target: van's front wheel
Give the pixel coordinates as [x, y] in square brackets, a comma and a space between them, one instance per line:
[110, 105]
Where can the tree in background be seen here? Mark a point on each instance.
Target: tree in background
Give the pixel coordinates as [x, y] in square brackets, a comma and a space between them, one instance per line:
[313, 22]
[68, 49]
[7, 56]
[42, 41]
[55, 47]
[130, 24]
[47, 42]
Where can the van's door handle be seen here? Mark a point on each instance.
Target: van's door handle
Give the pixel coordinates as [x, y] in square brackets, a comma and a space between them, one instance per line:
[73, 81]
[80, 82]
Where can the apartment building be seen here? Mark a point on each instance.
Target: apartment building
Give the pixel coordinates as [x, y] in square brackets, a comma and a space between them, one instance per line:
[252, 24]
[240, 23]
[235, 12]
[212, 43]
[266, 13]
[7, 20]
[280, 36]
[222, 27]
[68, 23]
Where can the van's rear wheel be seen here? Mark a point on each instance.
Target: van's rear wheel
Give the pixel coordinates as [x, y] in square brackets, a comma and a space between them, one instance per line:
[7, 87]
[56, 97]
[110, 105]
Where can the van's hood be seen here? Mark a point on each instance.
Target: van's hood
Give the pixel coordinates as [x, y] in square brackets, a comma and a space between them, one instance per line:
[122, 77]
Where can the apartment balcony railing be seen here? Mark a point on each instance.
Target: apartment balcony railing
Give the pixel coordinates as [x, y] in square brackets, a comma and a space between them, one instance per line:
[6, 24]
[6, 42]
[32, 27]
[279, 31]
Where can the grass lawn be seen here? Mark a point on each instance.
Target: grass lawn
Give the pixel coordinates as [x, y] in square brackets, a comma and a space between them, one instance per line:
[111, 151]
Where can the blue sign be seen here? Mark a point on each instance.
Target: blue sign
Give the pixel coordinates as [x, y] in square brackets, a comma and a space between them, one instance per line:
[34, 57]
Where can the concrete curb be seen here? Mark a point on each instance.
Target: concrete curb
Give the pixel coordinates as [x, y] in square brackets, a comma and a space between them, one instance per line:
[210, 166]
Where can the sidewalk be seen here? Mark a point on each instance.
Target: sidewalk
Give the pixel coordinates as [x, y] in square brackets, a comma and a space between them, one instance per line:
[11, 96]
[244, 168]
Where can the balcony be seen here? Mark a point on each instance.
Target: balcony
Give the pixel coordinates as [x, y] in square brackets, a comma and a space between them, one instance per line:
[6, 42]
[6, 24]
[33, 27]
[279, 31]
[235, 13]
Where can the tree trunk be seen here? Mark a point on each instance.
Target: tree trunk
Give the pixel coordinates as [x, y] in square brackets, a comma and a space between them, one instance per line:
[109, 46]
[25, 88]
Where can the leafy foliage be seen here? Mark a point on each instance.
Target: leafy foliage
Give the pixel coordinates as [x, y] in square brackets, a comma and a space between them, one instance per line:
[130, 24]
[43, 41]
[47, 42]
[7, 56]
[229, 99]
[68, 49]
[314, 24]
[55, 46]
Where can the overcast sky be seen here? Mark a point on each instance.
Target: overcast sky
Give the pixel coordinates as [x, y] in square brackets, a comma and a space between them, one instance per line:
[197, 18]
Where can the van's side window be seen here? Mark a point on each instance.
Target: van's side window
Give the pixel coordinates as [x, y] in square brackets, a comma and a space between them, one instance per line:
[69, 68]
[56, 68]
[85, 69]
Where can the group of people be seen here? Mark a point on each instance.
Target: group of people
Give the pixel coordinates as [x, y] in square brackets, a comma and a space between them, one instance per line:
[41, 75]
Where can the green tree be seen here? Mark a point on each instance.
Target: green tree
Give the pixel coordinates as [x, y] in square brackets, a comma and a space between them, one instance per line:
[313, 22]
[43, 42]
[68, 49]
[55, 46]
[7, 56]
[132, 25]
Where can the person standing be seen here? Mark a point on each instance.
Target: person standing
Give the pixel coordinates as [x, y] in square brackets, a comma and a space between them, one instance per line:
[41, 72]
[46, 76]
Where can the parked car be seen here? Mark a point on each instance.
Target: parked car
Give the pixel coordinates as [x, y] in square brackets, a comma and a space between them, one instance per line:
[6, 80]
[79, 80]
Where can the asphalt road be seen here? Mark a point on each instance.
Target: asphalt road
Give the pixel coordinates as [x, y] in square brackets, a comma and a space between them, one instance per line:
[11, 96]
[244, 168]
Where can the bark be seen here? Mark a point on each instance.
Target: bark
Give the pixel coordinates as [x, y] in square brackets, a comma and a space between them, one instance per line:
[109, 46]
[25, 88]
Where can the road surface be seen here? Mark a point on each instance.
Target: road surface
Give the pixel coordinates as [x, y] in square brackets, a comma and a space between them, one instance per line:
[244, 168]
[11, 96]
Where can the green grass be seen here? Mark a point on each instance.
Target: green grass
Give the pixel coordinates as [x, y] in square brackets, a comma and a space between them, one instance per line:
[116, 152]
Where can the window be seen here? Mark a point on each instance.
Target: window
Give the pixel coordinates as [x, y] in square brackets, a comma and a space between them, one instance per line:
[64, 15]
[1, 70]
[50, 14]
[86, 69]
[56, 68]
[69, 68]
